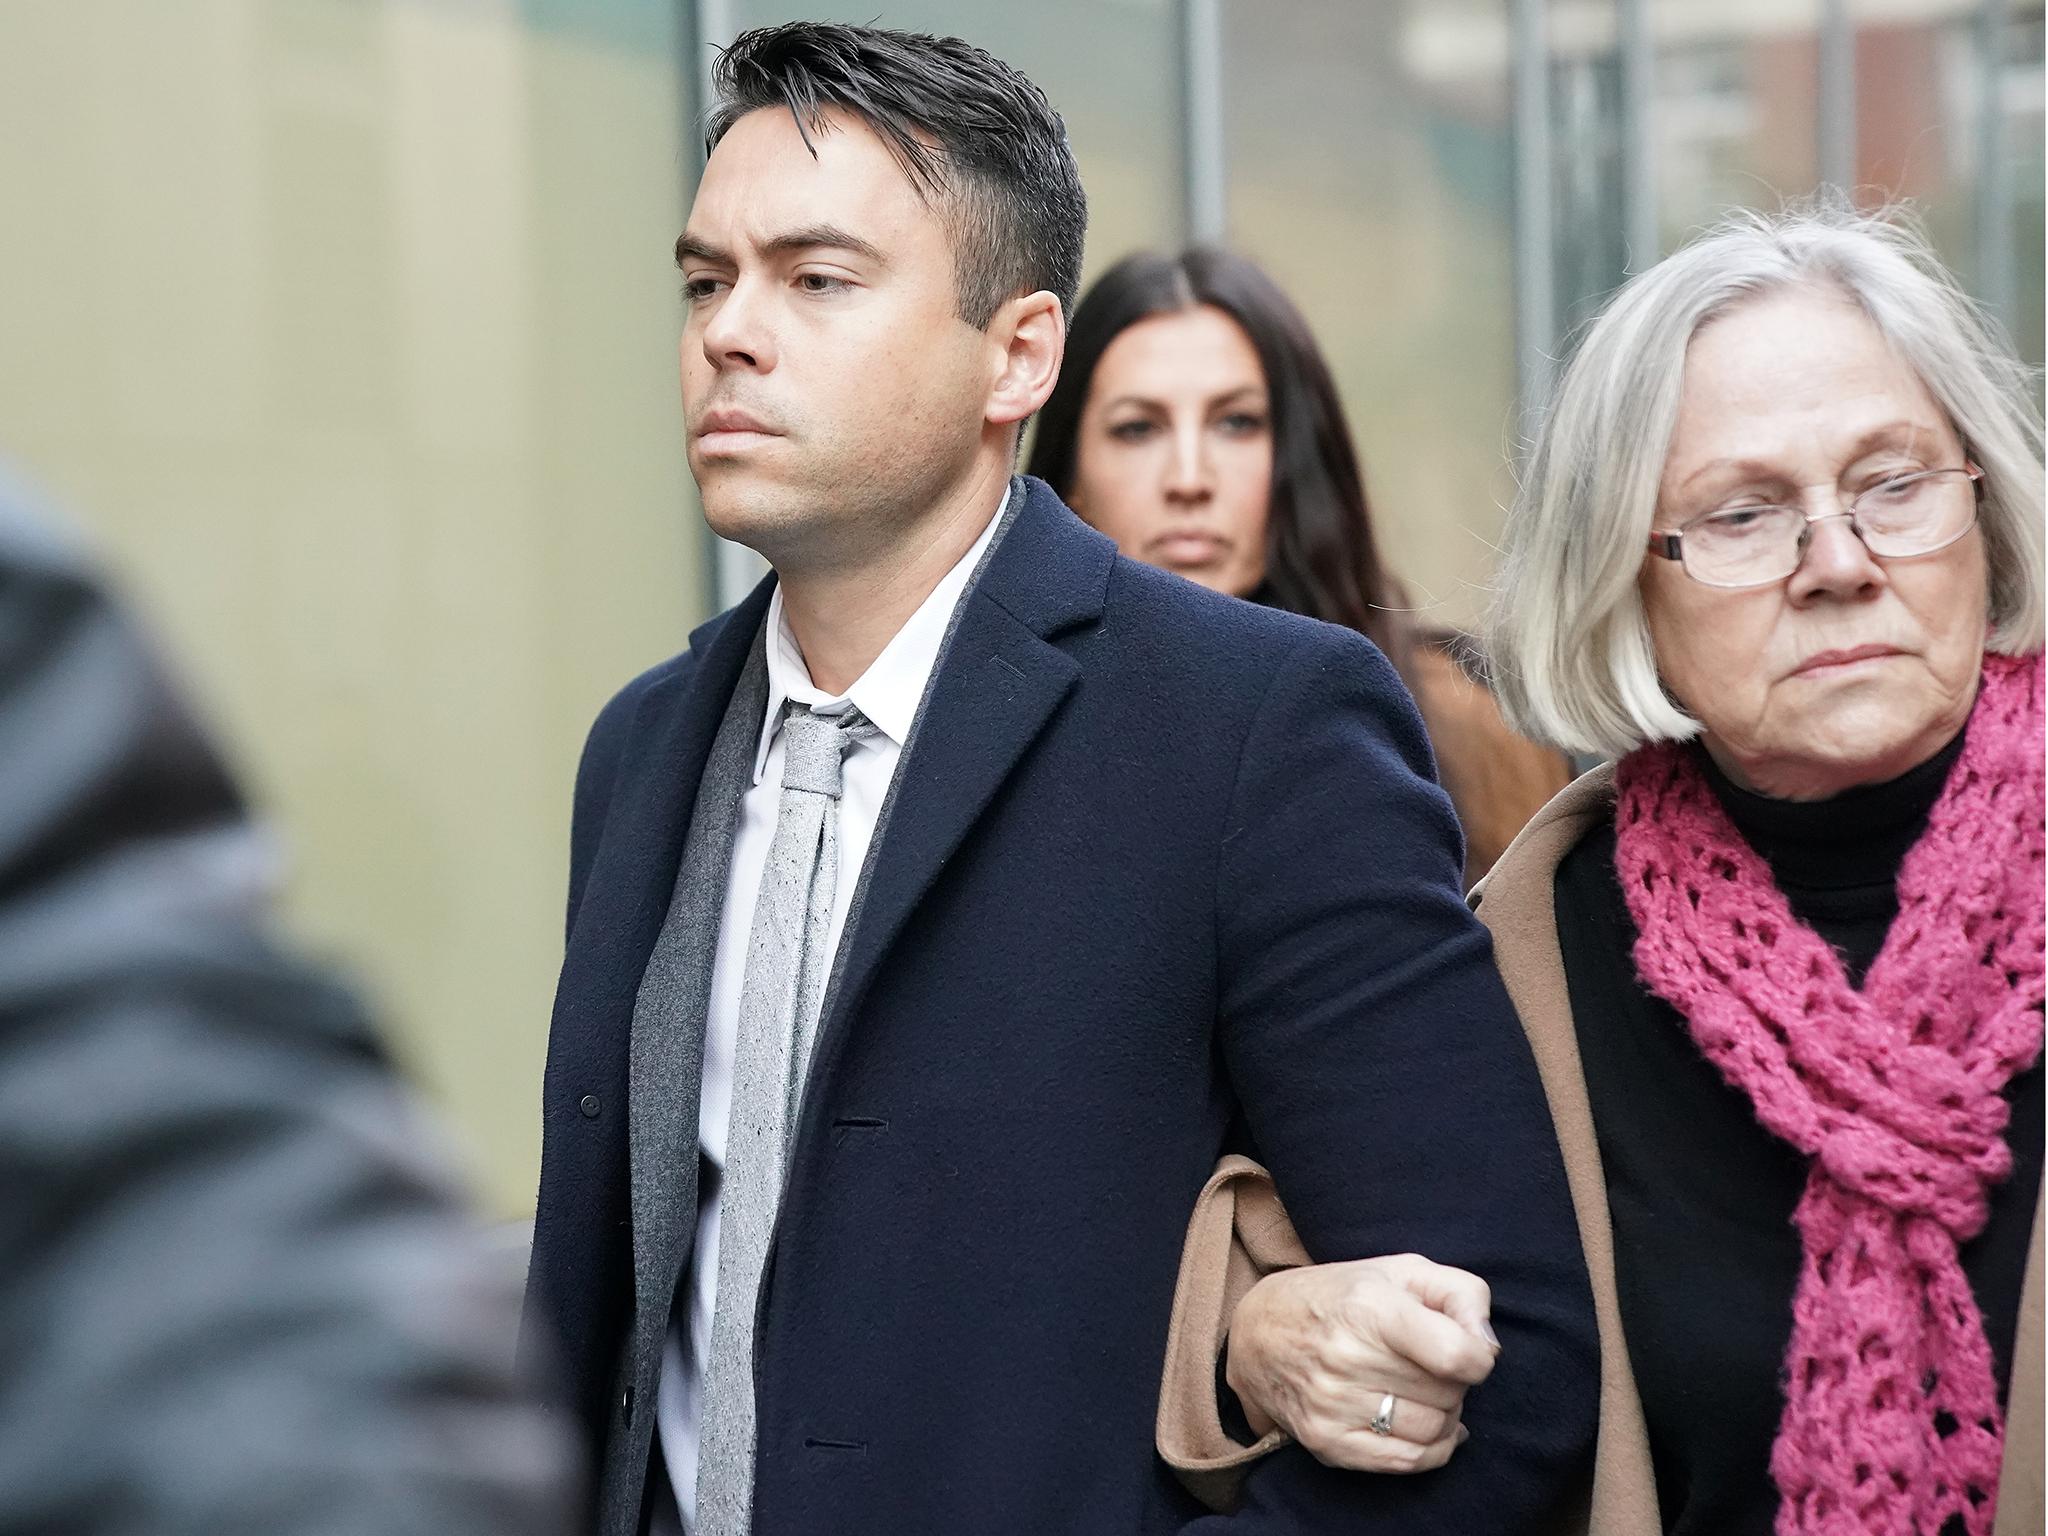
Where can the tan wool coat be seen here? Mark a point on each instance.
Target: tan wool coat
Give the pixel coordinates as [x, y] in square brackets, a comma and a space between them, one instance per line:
[1517, 903]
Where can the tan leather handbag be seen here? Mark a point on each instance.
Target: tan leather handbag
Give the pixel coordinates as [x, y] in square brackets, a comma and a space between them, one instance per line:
[1239, 1233]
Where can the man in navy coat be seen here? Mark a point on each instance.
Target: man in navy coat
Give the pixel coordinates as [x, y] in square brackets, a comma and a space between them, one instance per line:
[940, 915]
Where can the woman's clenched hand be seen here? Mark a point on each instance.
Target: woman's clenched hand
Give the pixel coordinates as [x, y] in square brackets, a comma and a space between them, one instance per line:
[1317, 1350]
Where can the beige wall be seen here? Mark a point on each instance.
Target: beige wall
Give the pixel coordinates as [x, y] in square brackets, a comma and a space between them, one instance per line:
[349, 329]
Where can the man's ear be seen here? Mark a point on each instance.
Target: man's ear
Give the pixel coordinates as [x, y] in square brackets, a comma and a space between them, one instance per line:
[1029, 338]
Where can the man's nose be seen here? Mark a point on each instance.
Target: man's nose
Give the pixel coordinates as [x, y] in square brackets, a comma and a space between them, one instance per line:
[738, 332]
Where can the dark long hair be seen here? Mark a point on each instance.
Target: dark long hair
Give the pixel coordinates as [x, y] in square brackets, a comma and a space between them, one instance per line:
[1320, 557]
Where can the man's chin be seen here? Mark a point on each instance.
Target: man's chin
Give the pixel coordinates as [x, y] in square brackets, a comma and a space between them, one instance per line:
[751, 511]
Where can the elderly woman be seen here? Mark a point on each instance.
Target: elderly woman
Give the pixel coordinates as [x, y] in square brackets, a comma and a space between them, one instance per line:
[1779, 552]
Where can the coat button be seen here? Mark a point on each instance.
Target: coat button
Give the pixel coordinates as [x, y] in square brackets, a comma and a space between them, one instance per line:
[626, 1403]
[589, 1105]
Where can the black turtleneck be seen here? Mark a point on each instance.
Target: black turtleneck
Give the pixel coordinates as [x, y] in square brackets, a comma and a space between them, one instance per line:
[1706, 1257]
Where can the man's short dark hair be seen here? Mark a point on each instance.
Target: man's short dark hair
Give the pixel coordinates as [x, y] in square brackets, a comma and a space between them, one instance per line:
[974, 136]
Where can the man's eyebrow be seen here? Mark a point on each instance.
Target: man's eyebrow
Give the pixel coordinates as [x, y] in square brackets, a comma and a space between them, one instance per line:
[690, 248]
[822, 236]
[810, 238]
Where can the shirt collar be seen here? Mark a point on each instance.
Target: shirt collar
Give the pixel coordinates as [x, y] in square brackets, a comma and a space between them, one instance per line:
[889, 692]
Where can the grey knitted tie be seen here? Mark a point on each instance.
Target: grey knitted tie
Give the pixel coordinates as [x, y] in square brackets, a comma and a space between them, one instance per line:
[787, 964]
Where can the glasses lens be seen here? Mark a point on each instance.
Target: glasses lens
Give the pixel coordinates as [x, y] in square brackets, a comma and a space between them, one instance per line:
[1743, 546]
[1915, 513]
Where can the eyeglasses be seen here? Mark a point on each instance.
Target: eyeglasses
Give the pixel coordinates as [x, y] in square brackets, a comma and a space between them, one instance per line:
[1751, 546]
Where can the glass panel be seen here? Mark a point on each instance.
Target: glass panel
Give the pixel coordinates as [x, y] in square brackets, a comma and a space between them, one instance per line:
[1941, 84]
[1919, 83]
[2020, 122]
[1735, 121]
[1588, 184]
[1736, 112]
[349, 328]
[1369, 169]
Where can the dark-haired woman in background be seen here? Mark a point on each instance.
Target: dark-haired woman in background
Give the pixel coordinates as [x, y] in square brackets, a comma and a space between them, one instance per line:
[1196, 423]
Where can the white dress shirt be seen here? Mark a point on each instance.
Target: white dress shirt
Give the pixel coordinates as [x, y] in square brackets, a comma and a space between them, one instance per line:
[888, 693]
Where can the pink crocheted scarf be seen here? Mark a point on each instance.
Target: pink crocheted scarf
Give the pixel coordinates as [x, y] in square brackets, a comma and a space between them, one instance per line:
[1891, 1424]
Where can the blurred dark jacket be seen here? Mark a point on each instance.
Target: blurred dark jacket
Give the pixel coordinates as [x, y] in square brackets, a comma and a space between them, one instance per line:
[237, 1292]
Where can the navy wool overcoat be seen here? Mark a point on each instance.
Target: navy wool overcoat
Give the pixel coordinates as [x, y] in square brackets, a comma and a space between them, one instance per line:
[1167, 874]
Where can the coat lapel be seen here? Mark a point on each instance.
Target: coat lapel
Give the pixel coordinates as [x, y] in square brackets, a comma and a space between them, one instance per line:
[634, 870]
[1516, 902]
[999, 681]
[665, 1064]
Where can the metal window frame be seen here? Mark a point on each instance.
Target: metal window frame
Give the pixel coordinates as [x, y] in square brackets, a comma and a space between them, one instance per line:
[1205, 207]
[1836, 126]
[1641, 223]
[1996, 282]
[1535, 263]
[731, 570]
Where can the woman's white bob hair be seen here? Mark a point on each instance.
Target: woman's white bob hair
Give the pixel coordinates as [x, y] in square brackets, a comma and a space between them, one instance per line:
[1568, 640]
